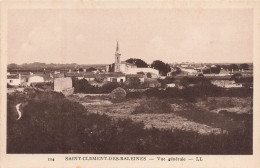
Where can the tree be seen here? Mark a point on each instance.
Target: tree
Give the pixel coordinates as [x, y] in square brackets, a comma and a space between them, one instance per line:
[81, 86]
[244, 66]
[149, 75]
[81, 70]
[111, 68]
[91, 69]
[206, 71]
[134, 82]
[215, 70]
[118, 95]
[109, 87]
[138, 62]
[233, 67]
[167, 80]
[176, 72]
[184, 82]
[161, 66]
[12, 66]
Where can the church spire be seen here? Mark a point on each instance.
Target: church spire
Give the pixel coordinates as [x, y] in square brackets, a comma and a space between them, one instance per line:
[117, 47]
[117, 59]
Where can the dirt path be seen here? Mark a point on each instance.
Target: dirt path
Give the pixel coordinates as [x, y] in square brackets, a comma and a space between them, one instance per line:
[18, 111]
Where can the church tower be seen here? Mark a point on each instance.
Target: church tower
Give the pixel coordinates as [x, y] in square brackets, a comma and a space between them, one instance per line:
[117, 59]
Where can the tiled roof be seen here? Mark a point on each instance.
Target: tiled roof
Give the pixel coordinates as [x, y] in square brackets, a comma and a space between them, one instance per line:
[13, 76]
[58, 75]
[134, 75]
[74, 74]
[104, 75]
[89, 76]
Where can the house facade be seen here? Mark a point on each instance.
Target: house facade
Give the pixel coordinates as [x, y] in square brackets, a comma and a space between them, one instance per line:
[34, 79]
[14, 79]
[61, 84]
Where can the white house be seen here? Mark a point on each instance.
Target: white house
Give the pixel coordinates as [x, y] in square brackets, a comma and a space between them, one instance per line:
[14, 79]
[170, 85]
[116, 79]
[34, 79]
[190, 71]
[139, 76]
[145, 70]
[89, 77]
[61, 84]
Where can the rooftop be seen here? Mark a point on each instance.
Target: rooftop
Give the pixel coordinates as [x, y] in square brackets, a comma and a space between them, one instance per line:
[13, 76]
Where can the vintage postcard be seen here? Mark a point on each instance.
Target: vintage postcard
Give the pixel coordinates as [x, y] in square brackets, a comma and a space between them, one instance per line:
[130, 84]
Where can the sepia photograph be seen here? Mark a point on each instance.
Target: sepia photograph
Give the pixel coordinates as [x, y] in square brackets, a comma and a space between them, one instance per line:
[130, 81]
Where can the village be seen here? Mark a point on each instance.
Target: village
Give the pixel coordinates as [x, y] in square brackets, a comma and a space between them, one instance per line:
[176, 99]
[129, 81]
[205, 99]
[151, 76]
[177, 84]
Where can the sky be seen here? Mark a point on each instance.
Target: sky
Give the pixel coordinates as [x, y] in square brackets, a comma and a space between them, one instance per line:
[89, 36]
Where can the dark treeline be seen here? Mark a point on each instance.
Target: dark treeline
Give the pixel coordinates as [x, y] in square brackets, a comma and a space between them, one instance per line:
[52, 124]
[202, 88]
[41, 67]
[191, 93]
[83, 86]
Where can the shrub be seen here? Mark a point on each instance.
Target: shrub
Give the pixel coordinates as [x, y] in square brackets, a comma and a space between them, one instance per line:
[109, 87]
[133, 83]
[167, 80]
[44, 85]
[118, 95]
[63, 126]
[9, 86]
[149, 75]
[154, 106]
[192, 93]
[83, 86]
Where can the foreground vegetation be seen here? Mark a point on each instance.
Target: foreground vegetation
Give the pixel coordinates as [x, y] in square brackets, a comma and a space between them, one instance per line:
[52, 124]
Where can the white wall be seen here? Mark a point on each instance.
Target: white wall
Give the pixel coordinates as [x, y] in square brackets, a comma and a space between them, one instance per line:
[189, 71]
[14, 82]
[35, 79]
[90, 79]
[62, 84]
[122, 67]
[110, 79]
[145, 70]
[119, 79]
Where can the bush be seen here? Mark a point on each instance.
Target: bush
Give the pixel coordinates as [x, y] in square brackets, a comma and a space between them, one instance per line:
[167, 80]
[118, 95]
[44, 85]
[149, 75]
[153, 106]
[56, 125]
[192, 93]
[109, 87]
[133, 83]
[9, 86]
[83, 86]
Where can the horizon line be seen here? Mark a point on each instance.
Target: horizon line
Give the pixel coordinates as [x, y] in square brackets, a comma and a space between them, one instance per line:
[147, 63]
